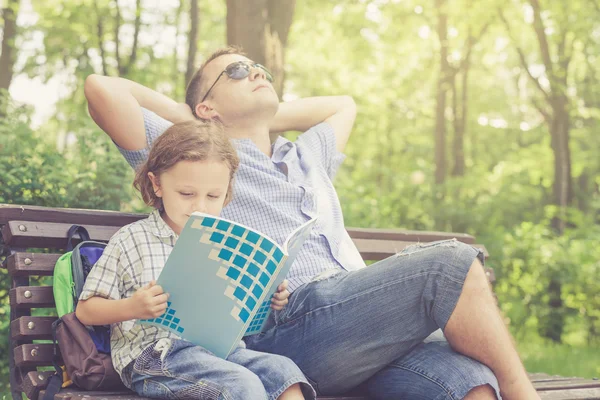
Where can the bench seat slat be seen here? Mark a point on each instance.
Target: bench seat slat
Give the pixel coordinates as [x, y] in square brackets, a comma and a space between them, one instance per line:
[34, 355]
[32, 297]
[26, 264]
[31, 328]
[35, 381]
[571, 394]
[572, 383]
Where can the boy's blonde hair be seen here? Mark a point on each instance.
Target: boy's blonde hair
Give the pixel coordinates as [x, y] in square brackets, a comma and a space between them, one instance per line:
[186, 141]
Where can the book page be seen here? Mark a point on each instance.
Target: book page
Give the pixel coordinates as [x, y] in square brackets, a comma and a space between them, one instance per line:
[217, 276]
[293, 244]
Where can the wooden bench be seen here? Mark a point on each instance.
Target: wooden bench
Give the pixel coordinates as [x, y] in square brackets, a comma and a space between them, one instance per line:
[32, 237]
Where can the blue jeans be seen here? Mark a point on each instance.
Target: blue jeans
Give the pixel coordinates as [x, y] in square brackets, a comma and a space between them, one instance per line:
[178, 369]
[369, 327]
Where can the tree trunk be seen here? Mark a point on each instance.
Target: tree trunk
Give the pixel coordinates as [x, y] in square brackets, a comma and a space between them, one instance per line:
[136, 33]
[117, 30]
[442, 89]
[175, 74]
[100, 32]
[8, 55]
[262, 27]
[562, 187]
[460, 121]
[192, 41]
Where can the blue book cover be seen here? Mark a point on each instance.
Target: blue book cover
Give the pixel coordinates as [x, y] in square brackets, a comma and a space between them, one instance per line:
[220, 277]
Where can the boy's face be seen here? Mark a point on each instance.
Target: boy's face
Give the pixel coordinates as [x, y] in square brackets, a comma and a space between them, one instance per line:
[183, 192]
[252, 97]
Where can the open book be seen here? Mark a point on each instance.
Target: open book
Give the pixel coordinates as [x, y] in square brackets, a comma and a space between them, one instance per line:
[220, 277]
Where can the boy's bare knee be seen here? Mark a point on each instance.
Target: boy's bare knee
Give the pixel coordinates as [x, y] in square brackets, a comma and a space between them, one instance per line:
[483, 392]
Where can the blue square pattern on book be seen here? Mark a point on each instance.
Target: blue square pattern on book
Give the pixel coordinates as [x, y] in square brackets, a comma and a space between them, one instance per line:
[246, 281]
[239, 261]
[225, 254]
[232, 243]
[233, 273]
[168, 319]
[257, 291]
[259, 257]
[216, 237]
[238, 231]
[223, 225]
[264, 306]
[253, 269]
[239, 293]
[244, 314]
[266, 245]
[250, 303]
[252, 237]
[209, 222]
[271, 267]
[277, 255]
[264, 279]
[246, 249]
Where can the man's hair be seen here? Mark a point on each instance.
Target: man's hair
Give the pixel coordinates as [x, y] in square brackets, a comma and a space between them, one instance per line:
[186, 141]
[194, 87]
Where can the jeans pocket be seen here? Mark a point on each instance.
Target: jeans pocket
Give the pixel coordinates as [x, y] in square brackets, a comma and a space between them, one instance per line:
[151, 361]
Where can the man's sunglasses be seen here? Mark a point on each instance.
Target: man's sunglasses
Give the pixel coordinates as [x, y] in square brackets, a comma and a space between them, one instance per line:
[239, 70]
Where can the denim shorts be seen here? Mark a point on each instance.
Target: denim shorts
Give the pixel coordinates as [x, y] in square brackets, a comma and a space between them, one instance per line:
[178, 369]
[369, 327]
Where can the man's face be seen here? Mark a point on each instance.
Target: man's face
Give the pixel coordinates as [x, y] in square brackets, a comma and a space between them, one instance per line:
[251, 97]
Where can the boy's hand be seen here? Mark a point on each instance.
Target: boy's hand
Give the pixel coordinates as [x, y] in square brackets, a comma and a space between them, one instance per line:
[280, 298]
[149, 301]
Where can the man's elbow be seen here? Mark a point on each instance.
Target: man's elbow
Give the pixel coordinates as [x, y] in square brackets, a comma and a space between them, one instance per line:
[349, 103]
[91, 85]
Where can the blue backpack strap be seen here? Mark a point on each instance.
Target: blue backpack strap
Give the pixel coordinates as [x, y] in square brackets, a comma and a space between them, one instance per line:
[76, 230]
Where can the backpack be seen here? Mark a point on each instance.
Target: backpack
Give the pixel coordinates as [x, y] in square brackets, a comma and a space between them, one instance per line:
[85, 350]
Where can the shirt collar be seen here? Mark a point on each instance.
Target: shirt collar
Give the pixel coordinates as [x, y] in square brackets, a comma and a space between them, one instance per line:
[280, 145]
[158, 226]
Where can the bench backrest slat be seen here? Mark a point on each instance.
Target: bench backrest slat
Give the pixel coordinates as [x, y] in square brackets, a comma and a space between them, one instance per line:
[26, 264]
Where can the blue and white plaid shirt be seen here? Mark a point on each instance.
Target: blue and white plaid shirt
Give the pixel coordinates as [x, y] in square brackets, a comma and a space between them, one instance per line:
[274, 202]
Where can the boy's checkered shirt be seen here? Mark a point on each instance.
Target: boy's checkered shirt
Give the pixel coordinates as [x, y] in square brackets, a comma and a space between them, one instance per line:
[133, 258]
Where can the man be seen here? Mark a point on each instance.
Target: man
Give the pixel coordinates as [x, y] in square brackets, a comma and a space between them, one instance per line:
[344, 325]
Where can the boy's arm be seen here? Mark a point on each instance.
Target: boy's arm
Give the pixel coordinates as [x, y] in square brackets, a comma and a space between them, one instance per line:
[100, 311]
[114, 104]
[302, 114]
[147, 302]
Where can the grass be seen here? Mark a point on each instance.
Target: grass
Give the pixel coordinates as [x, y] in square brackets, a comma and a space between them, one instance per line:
[560, 359]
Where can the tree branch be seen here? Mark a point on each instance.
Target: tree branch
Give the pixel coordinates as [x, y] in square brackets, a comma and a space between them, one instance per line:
[523, 59]
[547, 116]
[540, 31]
